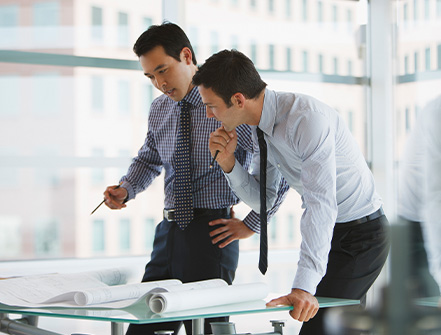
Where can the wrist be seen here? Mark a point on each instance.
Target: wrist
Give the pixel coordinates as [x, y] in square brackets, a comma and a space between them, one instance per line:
[228, 165]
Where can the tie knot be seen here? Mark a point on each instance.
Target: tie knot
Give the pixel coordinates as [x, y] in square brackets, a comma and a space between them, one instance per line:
[184, 105]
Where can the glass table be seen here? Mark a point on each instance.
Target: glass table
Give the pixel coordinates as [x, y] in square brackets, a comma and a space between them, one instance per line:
[137, 314]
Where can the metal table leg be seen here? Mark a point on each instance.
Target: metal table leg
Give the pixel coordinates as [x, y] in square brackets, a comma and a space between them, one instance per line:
[116, 328]
[198, 326]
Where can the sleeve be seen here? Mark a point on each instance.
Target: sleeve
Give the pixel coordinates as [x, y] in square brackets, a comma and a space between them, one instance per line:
[315, 144]
[145, 167]
[252, 220]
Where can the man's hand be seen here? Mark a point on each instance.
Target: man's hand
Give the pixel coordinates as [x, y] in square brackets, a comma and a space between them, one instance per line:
[231, 230]
[224, 142]
[114, 197]
[305, 304]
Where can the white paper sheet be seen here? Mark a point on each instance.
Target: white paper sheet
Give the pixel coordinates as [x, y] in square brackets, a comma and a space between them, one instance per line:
[206, 297]
[97, 288]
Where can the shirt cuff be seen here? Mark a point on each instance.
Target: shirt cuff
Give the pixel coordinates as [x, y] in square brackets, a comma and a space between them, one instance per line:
[252, 221]
[130, 191]
[238, 177]
[306, 280]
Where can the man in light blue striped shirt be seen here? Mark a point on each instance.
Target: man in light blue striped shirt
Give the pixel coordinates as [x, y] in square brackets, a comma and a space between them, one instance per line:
[344, 231]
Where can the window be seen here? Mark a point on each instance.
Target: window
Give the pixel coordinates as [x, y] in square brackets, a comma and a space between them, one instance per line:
[305, 56]
[47, 239]
[288, 59]
[46, 17]
[350, 67]
[320, 11]
[416, 61]
[320, 63]
[193, 35]
[97, 23]
[123, 29]
[9, 16]
[98, 234]
[214, 40]
[426, 10]
[123, 96]
[253, 53]
[335, 62]
[149, 233]
[10, 95]
[271, 56]
[415, 10]
[234, 42]
[97, 93]
[406, 64]
[11, 238]
[45, 94]
[271, 6]
[439, 57]
[98, 173]
[304, 10]
[288, 8]
[406, 13]
[147, 22]
[427, 57]
[124, 234]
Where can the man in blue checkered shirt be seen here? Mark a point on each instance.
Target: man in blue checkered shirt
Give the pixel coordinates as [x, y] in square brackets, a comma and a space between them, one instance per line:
[208, 247]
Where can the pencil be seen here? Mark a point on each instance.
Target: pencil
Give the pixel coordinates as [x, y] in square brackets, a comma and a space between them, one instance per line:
[102, 202]
[214, 159]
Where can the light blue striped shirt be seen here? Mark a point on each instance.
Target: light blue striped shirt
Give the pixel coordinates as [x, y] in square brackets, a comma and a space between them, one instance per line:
[312, 148]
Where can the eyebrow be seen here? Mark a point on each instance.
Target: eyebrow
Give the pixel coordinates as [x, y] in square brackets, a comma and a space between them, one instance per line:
[160, 66]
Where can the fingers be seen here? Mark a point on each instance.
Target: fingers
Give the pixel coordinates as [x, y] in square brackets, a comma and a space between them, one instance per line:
[305, 305]
[218, 141]
[221, 234]
[303, 312]
[278, 302]
[114, 197]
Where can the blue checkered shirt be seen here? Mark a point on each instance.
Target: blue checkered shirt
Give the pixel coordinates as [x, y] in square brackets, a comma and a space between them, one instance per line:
[209, 185]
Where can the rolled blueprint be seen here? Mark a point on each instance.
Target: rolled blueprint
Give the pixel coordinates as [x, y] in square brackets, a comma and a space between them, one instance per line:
[206, 297]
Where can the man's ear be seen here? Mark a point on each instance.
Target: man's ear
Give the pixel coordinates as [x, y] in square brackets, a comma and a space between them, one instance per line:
[238, 99]
[186, 55]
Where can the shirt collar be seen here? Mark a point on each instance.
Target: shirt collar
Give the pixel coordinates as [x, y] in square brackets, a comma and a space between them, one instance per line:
[268, 116]
[193, 97]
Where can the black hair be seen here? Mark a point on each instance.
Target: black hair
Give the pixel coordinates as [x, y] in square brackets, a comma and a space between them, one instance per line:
[228, 72]
[168, 35]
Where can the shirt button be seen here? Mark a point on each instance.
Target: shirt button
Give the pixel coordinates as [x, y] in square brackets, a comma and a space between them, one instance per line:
[278, 165]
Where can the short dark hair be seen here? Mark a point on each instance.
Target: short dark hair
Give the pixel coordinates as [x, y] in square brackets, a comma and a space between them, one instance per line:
[228, 72]
[168, 35]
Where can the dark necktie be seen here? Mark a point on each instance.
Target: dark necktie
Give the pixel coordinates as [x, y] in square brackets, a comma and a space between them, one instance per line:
[183, 191]
[263, 257]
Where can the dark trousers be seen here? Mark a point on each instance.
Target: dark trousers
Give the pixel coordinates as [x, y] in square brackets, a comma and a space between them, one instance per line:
[358, 253]
[188, 255]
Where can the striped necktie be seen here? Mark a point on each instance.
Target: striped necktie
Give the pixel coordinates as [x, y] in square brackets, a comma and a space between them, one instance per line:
[183, 189]
[263, 257]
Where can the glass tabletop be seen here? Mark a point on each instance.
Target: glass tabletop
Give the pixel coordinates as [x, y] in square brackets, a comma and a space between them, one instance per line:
[138, 313]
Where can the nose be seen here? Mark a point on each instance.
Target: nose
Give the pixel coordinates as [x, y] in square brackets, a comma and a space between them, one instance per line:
[160, 84]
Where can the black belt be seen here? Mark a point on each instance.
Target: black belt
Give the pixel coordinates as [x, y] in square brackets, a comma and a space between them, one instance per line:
[373, 216]
[169, 214]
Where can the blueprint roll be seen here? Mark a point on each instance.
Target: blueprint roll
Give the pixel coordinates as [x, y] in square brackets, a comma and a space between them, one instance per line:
[207, 297]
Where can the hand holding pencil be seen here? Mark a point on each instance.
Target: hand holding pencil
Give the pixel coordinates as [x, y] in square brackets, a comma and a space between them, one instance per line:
[114, 197]
[222, 145]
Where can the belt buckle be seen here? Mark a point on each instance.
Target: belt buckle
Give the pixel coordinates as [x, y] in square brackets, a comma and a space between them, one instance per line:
[169, 214]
